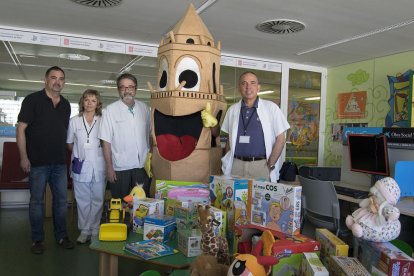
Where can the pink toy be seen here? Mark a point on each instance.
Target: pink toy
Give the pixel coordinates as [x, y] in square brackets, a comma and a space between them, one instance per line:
[189, 194]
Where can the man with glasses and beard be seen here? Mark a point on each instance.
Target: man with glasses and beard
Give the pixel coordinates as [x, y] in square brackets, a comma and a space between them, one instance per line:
[124, 132]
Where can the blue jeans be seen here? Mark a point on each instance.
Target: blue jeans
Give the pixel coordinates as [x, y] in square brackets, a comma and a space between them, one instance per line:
[56, 177]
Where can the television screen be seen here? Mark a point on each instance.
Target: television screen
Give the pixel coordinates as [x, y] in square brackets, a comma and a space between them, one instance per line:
[368, 153]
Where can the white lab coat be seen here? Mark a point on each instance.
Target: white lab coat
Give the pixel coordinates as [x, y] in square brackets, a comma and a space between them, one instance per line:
[273, 123]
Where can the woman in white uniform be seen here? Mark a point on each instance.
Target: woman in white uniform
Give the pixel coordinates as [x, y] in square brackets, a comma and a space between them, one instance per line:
[88, 164]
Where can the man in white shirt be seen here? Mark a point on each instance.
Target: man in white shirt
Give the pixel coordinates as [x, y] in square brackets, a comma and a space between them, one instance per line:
[125, 131]
[256, 129]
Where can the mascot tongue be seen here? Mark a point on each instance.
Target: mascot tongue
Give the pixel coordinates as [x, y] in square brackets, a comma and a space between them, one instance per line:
[175, 148]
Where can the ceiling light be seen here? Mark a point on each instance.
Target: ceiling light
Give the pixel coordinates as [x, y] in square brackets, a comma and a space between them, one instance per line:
[205, 6]
[312, 98]
[280, 26]
[266, 92]
[99, 3]
[12, 53]
[74, 56]
[388, 28]
[107, 82]
[36, 81]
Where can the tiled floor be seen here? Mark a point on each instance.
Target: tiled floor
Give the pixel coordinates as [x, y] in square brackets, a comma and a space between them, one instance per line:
[16, 258]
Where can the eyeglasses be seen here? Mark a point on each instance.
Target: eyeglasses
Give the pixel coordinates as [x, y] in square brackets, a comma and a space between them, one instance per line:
[125, 88]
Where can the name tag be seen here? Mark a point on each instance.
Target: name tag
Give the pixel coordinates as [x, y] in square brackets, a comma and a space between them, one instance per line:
[244, 139]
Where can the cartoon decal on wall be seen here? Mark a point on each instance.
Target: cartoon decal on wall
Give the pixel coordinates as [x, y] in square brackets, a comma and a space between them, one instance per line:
[188, 86]
[304, 123]
[351, 105]
[400, 95]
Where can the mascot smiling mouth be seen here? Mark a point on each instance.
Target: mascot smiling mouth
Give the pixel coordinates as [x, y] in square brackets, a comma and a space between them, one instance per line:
[177, 136]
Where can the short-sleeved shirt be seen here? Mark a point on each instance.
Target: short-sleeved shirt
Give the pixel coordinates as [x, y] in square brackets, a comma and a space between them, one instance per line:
[128, 133]
[46, 128]
[250, 125]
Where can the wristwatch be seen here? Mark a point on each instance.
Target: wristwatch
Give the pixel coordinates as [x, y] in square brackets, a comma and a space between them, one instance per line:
[272, 167]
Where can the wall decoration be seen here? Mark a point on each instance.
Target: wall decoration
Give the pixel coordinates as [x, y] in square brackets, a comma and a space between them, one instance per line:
[399, 101]
[359, 77]
[352, 105]
[304, 123]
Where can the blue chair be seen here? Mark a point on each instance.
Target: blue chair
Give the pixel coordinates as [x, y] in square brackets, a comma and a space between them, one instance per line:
[404, 174]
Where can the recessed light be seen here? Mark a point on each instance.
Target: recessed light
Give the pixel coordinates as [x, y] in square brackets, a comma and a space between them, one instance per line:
[71, 56]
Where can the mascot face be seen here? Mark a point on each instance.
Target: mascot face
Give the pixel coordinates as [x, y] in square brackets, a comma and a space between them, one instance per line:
[187, 82]
[188, 79]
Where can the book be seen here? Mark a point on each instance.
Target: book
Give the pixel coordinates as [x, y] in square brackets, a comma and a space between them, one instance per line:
[149, 249]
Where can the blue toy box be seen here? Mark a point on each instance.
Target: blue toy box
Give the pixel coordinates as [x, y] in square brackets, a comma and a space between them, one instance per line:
[159, 227]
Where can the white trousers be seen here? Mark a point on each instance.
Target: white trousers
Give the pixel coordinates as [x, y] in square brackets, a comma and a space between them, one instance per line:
[90, 199]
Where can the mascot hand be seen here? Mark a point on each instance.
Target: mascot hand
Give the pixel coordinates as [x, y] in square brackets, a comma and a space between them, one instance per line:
[147, 165]
[207, 117]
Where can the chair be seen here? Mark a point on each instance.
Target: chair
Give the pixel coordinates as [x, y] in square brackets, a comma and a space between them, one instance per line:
[321, 173]
[403, 175]
[320, 204]
[12, 176]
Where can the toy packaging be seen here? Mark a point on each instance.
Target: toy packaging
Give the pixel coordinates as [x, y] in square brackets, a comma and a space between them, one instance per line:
[289, 252]
[189, 242]
[331, 245]
[224, 192]
[341, 266]
[159, 227]
[162, 187]
[385, 257]
[186, 218]
[221, 217]
[312, 265]
[144, 207]
[275, 206]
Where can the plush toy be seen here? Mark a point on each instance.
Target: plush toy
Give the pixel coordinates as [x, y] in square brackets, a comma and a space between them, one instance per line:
[377, 218]
[259, 262]
[212, 243]
[207, 265]
[136, 192]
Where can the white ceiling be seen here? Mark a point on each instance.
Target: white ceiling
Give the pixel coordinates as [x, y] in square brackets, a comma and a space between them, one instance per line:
[230, 21]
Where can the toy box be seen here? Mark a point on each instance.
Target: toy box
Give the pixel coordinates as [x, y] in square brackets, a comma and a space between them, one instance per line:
[189, 242]
[312, 265]
[275, 206]
[385, 257]
[221, 217]
[186, 218]
[224, 192]
[144, 207]
[331, 245]
[159, 227]
[288, 249]
[162, 187]
[341, 266]
[289, 252]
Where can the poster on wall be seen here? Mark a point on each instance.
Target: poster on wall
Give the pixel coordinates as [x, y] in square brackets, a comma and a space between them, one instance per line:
[303, 118]
[399, 101]
[351, 105]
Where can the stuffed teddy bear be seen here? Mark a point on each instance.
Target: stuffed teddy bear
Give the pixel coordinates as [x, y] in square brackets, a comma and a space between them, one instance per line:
[377, 218]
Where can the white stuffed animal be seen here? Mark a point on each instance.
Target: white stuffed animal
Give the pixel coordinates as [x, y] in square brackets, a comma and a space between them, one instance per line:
[377, 218]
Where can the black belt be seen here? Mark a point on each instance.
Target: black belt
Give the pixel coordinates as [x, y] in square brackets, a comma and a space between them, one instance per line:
[242, 158]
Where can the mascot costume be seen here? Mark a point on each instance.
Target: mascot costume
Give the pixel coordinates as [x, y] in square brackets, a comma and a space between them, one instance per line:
[187, 101]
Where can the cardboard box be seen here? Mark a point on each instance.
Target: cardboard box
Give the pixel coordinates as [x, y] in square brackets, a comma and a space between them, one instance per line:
[331, 245]
[275, 206]
[221, 217]
[163, 186]
[159, 227]
[385, 257]
[224, 192]
[186, 218]
[144, 207]
[189, 242]
[341, 266]
[289, 252]
[312, 265]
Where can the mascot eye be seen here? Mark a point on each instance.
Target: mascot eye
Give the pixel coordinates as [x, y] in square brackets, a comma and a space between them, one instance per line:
[163, 75]
[188, 70]
[238, 268]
